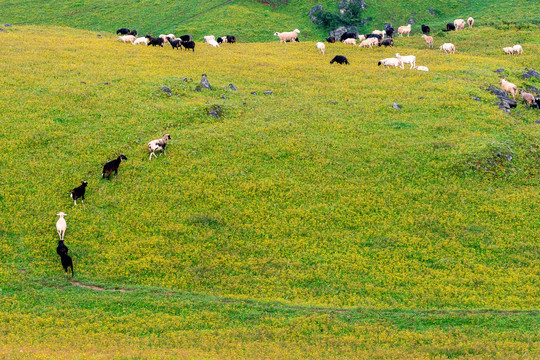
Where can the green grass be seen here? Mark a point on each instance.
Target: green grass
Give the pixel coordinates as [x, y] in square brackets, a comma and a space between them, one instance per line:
[316, 222]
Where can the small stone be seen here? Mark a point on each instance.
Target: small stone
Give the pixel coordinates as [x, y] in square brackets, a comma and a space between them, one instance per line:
[2, 29]
[184, 79]
[198, 88]
[253, 93]
[476, 98]
[396, 106]
[223, 97]
[99, 36]
[531, 73]
[205, 83]
[7, 25]
[499, 70]
[432, 12]
[215, 111]
[83, 82]
[233, 88]
[537, 121]
[166, 90]
[268, 92]
[106, 83]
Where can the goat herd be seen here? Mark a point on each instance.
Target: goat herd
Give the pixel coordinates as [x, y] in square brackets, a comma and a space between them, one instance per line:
[158, 145]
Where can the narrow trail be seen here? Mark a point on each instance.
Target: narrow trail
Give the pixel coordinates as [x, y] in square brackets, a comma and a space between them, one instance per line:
[97, 288]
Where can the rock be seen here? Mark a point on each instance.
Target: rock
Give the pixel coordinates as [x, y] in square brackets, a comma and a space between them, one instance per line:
[198, 88]
[411, 21]
[499, 70]
[215, 111]
[233, 88]
[537, 121]
[432, 12]
[338, 32]
[2, 29]
[223, 97]
[166, 90]
[314, 10]
[531, 73]
[106, 83]
[476, 98]
[396, 106]
[7, 25]
[388, 26]
[253, 93]
[99, 36]
[184, 79]
[496, 91]
[268, 92]
[204, 82]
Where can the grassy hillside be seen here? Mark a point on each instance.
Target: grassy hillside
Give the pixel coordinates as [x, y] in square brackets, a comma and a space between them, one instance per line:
[312, 222]
[252, 21]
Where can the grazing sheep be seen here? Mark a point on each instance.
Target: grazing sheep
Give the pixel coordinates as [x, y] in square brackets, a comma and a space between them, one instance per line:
[141, 40]
[61, 249]
[409, 59]
[165, 38]
[376, 36]
[231, 39]
[518, 49]
[154, 41]
[387, 42]
[390, 62]
[61, 225]
[459, 24]
[429, 40]
[347, 35]
[450, 27]
[171, 36]
[111, 166]
[287, 36]
[368, 42]
[340, 59]
[123, 31]
[67, 262]
[509, 87]
[378, 32]
[528, 98]
[404, 30]
[421, 68]
[426, 29]
[158, 145]
[349, 41]
[186, 38]
[133, 32]
[331, 39]
[508, 50]
[448, 48]
[390, 32]
[127, 38]
[470, 21]
[321, 47]
[175, 43]
[361, 37]
[78, 192]
[211, 40]
[188, 45]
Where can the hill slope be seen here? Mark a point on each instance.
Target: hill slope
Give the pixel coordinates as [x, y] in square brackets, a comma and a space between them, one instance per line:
[252, 21]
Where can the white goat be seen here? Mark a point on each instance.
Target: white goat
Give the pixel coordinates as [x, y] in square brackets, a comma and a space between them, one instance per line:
[509, 87]
[508, 50]
[61, 225]
[448, 48]
[459, 24]
[429, 40]
[404, 30]
[141, 40]
[361, 37]
[321, 47]
[390, 62]
[518, 49]
[349, 41]
[126, 38]
[410, 59]
[158, 145]
[287, 36]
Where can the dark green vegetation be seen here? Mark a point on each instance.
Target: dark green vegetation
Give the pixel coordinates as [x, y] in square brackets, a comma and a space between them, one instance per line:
[317, 222]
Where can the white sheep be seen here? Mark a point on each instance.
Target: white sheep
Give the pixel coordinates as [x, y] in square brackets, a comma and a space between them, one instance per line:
[390, 62]
[459, 24]
[410, 59]
[448, 48]
[321, 47]
[368, 42]
[508, 50]
[287, 36]
[141, 40]
[421, 68]
[361, 37]
[349, 41]
[509, 87]
[378, 32]
[470, 21]
[429, 40]
[126, 38]
[518, 49]
[404, 30]
[61, 225]
[158, 145]
[211, 40]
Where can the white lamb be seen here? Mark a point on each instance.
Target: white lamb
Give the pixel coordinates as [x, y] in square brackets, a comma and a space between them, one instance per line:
[141, 40]
[211, 40]
[127, 38]
[421, 68]
[508, 50]
[459, 24]
[448, 48]
[61, 225]
[410, 59]
[321, 47]
[518, 49]
[287, 36]
[390, 62]
[349, 41]
[361, 37]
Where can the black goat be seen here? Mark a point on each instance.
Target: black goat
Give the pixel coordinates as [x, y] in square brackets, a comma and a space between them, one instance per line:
[231, 39]
[188, 45]
[123, 31]
[219, 40]
[78, 192]
[112, 166]
[387, 42]
[175, 43]
[340, 59]
[331, 39]
[426, 29]
[154, 41]
[186, 38]
[61, 249]
[390, 32]
[450, 27]
[67, 262]
[347, 35]
[133, 32]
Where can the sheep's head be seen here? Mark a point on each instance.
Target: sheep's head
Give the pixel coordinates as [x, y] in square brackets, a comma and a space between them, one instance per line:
[167, 136]
[61, 213]
[296, 31]
[84, 183]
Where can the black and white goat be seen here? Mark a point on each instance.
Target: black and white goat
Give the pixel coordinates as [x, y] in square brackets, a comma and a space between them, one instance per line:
[158, 145]
[78, 192]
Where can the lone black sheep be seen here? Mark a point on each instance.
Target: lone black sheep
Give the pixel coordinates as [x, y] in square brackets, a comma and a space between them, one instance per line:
[450, 27]
[78, 192]
[340, 59]
[426, 29]
[112, 166]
